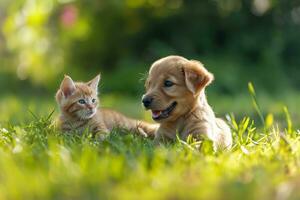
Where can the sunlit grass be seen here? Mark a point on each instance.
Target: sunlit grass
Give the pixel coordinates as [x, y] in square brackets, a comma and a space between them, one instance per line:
[37, 161]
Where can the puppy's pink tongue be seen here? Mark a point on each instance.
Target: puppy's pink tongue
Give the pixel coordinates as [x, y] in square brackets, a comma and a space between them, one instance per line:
[155, 113]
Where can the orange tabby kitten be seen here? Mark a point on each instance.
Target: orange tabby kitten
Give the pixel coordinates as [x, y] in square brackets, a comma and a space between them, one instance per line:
[78, 104]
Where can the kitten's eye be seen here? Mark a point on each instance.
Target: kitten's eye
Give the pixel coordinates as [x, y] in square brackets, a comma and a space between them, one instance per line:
[168, 83]
[93, 100]
[81, 101]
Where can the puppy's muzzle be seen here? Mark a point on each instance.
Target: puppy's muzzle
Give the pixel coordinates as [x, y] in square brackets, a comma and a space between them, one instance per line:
[147, 101]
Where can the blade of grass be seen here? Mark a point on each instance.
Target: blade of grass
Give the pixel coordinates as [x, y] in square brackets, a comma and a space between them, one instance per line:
[255, 103]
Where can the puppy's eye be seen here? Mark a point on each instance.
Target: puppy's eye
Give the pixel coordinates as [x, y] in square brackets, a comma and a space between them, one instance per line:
[81, 101]
[168, 83]
[93, 100]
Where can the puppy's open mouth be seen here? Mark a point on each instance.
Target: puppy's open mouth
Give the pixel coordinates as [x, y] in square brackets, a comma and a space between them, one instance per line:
[163, 114]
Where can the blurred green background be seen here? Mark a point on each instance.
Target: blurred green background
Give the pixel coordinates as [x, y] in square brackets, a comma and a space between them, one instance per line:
[238, 40]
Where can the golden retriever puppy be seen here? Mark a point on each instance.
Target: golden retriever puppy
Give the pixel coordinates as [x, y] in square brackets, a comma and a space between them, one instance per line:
[175, 93]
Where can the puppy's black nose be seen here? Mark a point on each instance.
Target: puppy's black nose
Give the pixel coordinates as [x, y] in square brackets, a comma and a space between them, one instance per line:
[147, 101]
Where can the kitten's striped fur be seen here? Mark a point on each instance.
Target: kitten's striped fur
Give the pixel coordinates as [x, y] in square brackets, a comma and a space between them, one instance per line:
[78, 104]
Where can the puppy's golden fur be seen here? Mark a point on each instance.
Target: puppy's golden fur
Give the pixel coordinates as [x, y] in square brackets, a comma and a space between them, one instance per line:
[175, 93]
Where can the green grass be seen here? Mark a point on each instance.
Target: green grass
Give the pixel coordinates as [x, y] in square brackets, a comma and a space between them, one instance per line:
[37, 161]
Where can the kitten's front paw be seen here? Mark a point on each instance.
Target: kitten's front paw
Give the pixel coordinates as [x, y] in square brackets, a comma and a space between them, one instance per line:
[101, 136]
[100, 133]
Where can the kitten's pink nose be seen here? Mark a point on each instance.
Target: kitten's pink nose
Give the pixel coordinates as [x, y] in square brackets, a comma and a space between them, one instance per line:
[89, 106]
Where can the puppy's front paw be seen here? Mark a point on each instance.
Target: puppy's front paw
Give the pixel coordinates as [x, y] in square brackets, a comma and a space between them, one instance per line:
[142, 132]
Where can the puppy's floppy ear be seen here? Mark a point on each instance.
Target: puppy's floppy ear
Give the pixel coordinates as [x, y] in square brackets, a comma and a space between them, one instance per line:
[94, 82]
[67, 86]
[196, 76]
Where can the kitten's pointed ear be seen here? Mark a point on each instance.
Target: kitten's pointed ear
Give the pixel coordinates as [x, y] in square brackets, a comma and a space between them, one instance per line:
[67, 86]
[94, 82]
[196, 76]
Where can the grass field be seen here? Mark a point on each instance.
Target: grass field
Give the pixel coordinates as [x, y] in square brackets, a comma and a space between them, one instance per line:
[39, 162]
